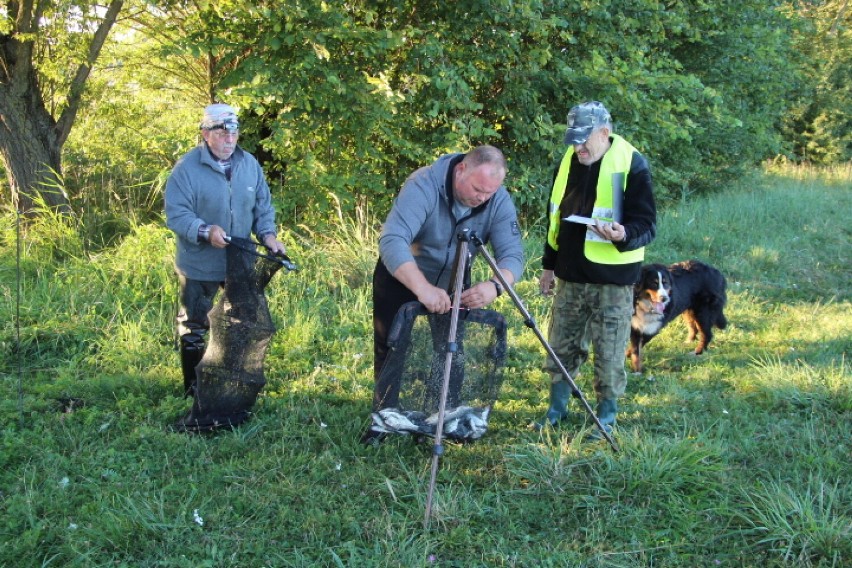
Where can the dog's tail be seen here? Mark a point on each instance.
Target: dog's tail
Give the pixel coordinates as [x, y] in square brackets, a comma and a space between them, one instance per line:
[721, 321]
[719, 302]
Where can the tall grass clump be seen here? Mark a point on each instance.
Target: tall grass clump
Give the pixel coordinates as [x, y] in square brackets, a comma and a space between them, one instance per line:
[804, 526]
[737, 457]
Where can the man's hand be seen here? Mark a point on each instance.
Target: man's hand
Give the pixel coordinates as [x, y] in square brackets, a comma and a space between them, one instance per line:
[547, 282]
[486, 292]
[217, 237]
[479, 296]
[436, 300]
[274, 245]
[610, 231]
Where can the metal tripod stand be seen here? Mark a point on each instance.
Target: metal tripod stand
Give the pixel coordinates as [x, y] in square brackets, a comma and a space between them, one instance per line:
[461, 264]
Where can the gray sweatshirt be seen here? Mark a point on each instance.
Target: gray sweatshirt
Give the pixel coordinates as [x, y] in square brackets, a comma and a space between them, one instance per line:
[421, 226]
[197, 193]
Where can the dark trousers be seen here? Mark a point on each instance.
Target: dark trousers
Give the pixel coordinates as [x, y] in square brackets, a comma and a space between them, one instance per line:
[389, 294]
[196, 300]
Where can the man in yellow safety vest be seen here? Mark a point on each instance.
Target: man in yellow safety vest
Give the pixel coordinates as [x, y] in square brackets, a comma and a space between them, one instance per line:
[601, 215]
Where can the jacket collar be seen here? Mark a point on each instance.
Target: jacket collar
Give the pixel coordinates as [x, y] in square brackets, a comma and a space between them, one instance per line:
[209, 159]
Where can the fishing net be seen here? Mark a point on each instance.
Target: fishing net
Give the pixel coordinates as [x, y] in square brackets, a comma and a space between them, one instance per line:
[230, 375]
[413, 374]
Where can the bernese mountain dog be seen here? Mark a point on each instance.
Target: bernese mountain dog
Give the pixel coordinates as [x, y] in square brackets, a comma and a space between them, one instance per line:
[692, 288]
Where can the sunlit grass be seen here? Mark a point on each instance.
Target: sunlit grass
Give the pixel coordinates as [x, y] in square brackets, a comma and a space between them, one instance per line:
[738, 457]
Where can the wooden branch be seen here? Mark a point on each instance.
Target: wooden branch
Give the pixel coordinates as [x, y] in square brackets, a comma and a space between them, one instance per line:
[78, 84]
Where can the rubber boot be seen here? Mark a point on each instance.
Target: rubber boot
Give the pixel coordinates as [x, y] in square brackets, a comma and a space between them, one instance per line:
[191, 352]
[560, 394]
[606, 411]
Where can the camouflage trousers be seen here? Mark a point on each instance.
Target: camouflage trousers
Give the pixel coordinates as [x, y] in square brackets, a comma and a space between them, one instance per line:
[597, 315]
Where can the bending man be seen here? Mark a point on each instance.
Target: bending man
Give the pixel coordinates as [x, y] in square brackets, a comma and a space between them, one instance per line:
[418, 244]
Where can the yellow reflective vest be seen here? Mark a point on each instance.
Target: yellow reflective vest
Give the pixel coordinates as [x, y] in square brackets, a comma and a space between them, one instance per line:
[616, 160]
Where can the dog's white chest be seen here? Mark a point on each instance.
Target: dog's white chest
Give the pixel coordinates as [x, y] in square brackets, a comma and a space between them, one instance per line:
[648, 324]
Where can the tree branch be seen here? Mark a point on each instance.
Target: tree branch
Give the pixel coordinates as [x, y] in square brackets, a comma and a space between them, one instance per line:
[78, 84]
[839, 19]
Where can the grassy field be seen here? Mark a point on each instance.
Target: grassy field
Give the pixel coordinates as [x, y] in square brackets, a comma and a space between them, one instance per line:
[739, 457]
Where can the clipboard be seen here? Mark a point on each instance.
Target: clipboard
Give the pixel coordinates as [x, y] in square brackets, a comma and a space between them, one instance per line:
[579, 219]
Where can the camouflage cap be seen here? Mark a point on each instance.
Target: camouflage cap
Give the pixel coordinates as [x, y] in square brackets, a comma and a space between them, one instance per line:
[584, 119]
[220, 116]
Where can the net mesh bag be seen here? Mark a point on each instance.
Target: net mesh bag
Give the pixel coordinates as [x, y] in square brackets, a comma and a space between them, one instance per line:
[413, 374]
[230, 375]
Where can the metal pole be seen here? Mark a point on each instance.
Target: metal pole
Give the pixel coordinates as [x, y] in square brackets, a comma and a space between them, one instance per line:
[279, 258]
[452, 347]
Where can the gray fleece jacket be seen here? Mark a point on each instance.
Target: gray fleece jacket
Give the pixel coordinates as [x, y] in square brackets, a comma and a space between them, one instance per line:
[197, 193]
[421, 226]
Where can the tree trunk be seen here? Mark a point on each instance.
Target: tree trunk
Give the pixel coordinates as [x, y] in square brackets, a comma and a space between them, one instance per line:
[30, 138]
[31, 153]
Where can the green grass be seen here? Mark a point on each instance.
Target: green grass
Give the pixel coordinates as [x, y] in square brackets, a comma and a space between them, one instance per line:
[739, 457]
